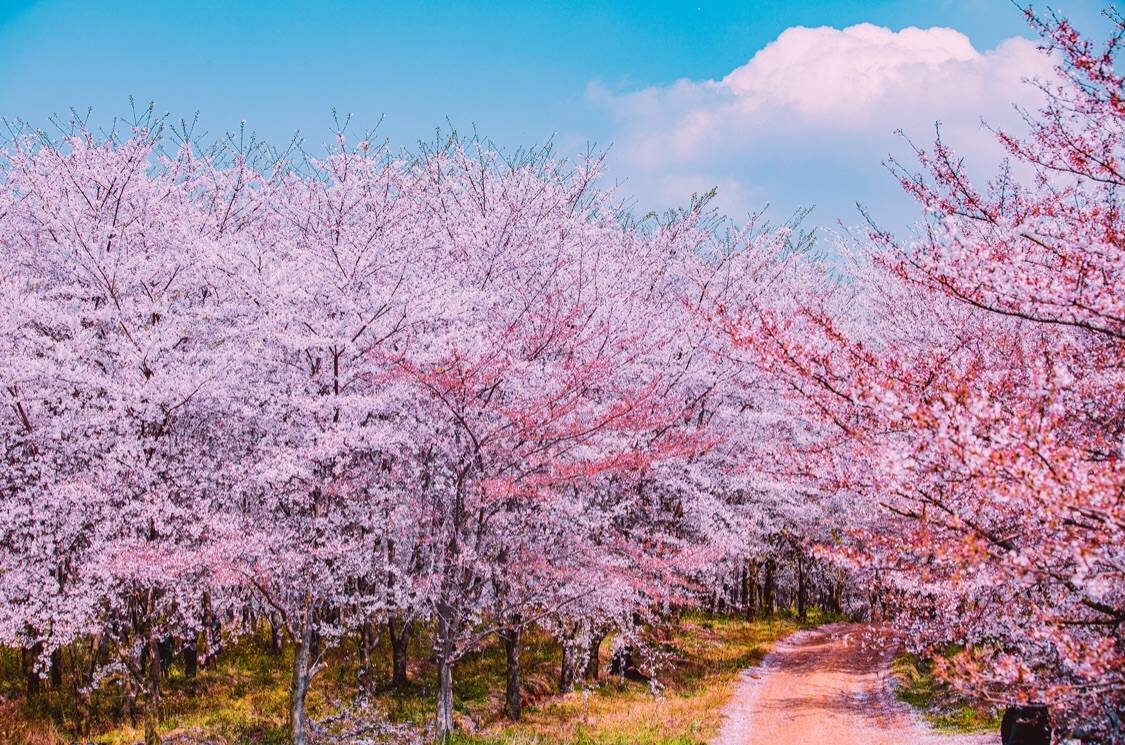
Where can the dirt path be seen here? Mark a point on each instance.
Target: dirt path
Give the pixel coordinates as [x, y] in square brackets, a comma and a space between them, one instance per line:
[828, 685]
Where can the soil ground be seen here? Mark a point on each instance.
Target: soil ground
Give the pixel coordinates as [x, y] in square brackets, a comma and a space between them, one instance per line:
[828, 685]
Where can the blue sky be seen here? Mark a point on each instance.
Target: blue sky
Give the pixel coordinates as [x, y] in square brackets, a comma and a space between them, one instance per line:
[524, 71]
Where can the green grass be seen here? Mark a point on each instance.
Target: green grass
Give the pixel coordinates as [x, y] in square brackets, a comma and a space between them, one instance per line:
[242, 698]
[940, 706]
[705, 657]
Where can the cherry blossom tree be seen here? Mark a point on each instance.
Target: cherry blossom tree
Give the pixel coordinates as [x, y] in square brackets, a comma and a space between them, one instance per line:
[532, 370]
[114, 346]
[965, 390]
[324, 279]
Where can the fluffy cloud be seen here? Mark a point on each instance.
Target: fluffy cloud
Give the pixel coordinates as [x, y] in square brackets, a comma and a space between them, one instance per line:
[810, 117]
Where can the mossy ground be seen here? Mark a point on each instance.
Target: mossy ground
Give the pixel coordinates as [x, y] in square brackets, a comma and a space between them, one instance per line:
[940, 706]
[241, 698]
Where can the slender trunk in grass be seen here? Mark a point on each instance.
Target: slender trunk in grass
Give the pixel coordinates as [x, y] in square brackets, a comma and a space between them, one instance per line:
[593, 656]
[569, 667]
[399, 632]
[802, 592]
[56, 669]
[302, 673]
[511, 640]
[30, 656]
[768, 589]
[752, 589]
[443, 719]
[744, 588]
[444, 714]
[191, 656]
[152, 687]
[365, 645]
[275, 634]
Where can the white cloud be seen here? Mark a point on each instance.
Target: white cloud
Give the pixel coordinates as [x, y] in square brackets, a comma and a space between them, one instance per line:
[811, 115]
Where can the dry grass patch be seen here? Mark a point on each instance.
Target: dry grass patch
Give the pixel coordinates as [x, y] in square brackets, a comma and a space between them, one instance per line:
[685, 709]
[241, 699]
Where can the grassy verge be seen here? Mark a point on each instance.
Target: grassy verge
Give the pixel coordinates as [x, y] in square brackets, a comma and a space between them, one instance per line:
[941, 707]
[241, 699]
[705, 657]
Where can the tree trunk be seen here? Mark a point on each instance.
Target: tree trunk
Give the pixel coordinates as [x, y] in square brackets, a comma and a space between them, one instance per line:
[212, 628]
[31, 676]
[302, 662]
[752, 589]
[744, 588]
[444, 720]
[166, 647]
[365, 645]
[768, 589]
[275, 634]
[79, 676]
[316, 647]
[568, 667]
[400, 634]
[152, 688]
[511, 639]
[56, 669]
[593, 657]
[131, 698]
[802, 592]
[622, 661]
[191, 656]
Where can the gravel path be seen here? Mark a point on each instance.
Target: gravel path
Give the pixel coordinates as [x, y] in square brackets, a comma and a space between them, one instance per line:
[828, 685]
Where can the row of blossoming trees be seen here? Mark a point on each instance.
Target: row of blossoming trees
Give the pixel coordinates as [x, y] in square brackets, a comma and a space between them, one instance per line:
[365, 390]
[468, 392]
